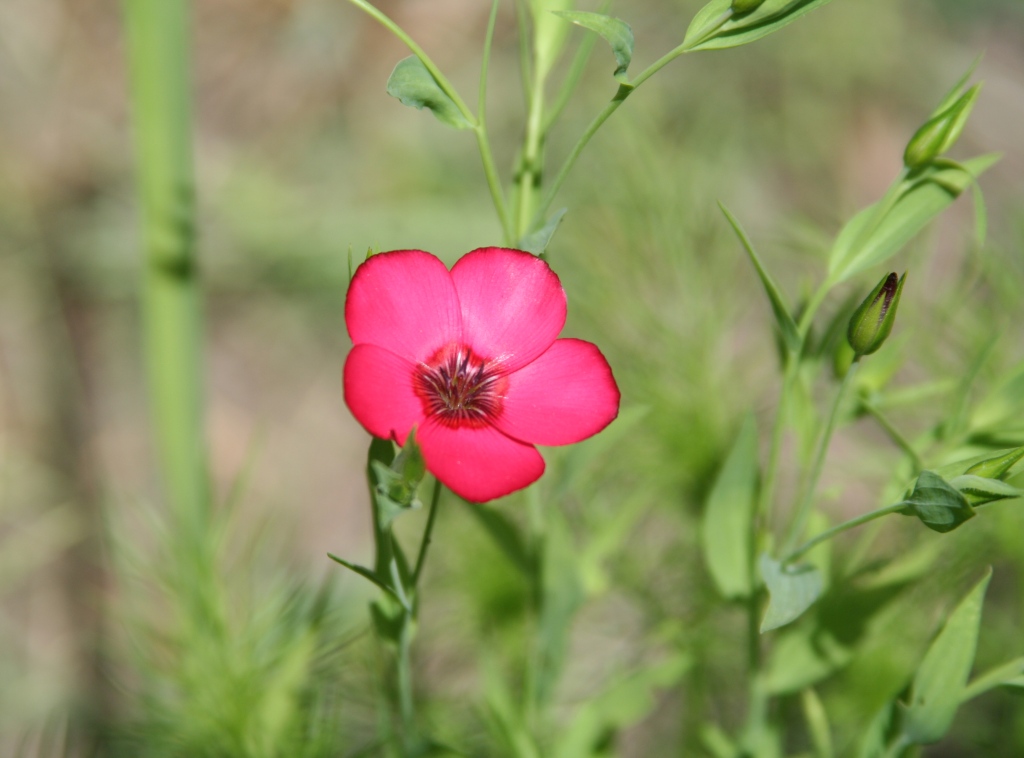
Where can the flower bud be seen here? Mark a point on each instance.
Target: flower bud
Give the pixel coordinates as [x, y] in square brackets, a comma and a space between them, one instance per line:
[940, 132]
[739, 7]
[873, 319]
[997, 468]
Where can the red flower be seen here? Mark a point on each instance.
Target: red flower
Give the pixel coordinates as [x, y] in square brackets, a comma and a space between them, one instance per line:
[470, 358]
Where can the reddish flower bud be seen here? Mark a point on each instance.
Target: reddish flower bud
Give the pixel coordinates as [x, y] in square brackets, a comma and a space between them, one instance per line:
[872, 322]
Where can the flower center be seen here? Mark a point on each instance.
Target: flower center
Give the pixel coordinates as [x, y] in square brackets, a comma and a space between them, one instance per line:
[458, 387]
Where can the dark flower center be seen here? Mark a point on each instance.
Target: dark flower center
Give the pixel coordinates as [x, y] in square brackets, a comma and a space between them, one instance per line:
[458, 387]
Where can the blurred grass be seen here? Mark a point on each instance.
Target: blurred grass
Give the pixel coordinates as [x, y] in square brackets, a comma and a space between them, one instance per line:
[301, 156]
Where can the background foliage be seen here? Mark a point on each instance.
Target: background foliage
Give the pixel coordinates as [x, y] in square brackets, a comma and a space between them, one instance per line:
[115, 641]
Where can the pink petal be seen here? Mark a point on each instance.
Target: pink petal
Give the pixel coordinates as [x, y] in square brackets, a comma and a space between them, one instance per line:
[478, 463]
[404, 301]
[379, 392]
[564, 396]
[513, 305]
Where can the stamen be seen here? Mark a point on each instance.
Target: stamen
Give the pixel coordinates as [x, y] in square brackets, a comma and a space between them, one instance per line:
[457, 387]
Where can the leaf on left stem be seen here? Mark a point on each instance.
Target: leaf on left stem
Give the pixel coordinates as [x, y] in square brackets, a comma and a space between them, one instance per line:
[416, 87]
[791, 589]
[615, 32]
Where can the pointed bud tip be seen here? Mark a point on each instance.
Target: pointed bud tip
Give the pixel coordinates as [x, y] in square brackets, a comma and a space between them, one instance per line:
[872, 322]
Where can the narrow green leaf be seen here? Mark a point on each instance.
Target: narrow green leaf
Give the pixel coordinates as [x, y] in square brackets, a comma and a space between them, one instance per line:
[980, 490]
[873, 743]
[727, 530]
[791, 589]
[817, 723]
[366, 574]
[939, 505]
[940, 681]
[615, 32]
[411, 83]
[918, 204]
[715, 26]
[562, 595]
[717, 742]
[783, 317]
[537, 242]
[1008, 674]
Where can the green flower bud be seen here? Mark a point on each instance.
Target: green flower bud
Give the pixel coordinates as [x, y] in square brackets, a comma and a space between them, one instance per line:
[940, 132]
[996, 468]
[739, 7]
[872, 322]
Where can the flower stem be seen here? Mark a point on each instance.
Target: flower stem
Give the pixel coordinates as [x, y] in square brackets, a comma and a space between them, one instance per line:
[840, 528]
[803, 511]
[427, 533]
[483, 143]
[442, 81]
[549, 197]
[406, 703]
[624, 91]
[530, 166]
[900, 441]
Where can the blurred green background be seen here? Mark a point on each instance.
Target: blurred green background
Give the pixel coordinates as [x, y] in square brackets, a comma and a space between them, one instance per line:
[300, 157]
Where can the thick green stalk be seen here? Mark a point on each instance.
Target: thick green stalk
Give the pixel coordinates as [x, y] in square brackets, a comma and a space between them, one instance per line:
[158, 60]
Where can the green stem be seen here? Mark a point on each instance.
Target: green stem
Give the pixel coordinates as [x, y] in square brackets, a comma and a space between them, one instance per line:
[840, 528]
[427, 534]
[570, 160]
[442, 81]
[531, 160]
[406, 702]
[572, 78]
[771, 474]
[476, 122]
[900, 441]
[171, 324]
[803, 511]
[811, 309]
[624, 91]
[895, 748]
[483, 143]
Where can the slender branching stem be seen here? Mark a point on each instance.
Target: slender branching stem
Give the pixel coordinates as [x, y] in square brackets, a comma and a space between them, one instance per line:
[442, 81]
[803, 512]
[894, 434]
[482, 140]
[840, 528]
[428, 533]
